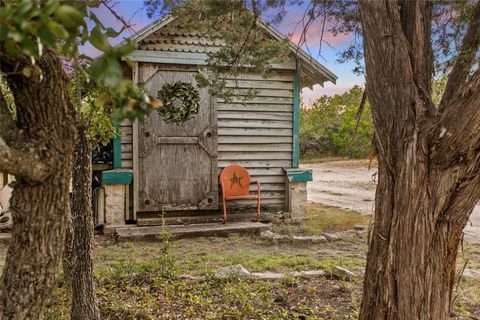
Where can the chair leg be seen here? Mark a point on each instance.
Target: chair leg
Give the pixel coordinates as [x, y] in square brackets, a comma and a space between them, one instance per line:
[224, 211]
[258, 208]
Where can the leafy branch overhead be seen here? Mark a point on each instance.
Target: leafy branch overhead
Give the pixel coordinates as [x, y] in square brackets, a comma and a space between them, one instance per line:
[29, 29]
[235, 28]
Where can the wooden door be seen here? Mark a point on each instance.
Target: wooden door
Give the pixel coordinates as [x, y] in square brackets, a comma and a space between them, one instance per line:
[177, 163]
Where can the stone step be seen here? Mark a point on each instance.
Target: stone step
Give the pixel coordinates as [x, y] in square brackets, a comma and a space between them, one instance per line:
[135, 232]
[199, 219]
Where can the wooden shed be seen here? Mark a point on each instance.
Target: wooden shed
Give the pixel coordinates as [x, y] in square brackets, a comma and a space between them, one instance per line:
[160, 167]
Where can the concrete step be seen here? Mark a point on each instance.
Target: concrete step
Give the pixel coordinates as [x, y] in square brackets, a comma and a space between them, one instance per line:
[199, 219]
[135, 232]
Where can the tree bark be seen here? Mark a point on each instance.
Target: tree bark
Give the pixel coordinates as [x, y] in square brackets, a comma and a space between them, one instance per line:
[84, 302]
[429, 168]
[39, 202]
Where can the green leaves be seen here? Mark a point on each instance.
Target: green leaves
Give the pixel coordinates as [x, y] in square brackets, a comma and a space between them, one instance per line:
[27, 27]
[330, 127]
[69, 16]
[99, 40]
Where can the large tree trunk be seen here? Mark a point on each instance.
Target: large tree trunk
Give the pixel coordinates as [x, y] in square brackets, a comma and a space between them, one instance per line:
[84, 302]
[38, 149]
[429, 167]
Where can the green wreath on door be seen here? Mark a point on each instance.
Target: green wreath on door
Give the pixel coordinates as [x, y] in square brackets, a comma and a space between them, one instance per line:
[181, 102]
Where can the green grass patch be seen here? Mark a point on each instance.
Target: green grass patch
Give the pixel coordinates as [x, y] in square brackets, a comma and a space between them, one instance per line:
[322, 218]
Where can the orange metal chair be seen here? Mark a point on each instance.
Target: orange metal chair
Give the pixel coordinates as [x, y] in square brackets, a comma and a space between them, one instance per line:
[235, 183]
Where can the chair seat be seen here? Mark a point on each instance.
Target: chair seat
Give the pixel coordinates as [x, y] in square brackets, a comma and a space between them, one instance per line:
[247, 196]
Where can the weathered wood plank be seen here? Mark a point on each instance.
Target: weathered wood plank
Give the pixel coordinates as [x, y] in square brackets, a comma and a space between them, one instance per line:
[254, 155]
[127, 164]
[214, 218]
[237, 123]
[256, 147]
[268, 115]
[127, 156]
[132, 233]
[286, 75]
[259, 139]
[251, 204]
[127, 130]
[259, 84]
[127, 139]
[126, 147]
[256, 132]
[255, 107]
[267, 179]
[263, 92]
[272, 187]
[260, 100]
[177, 140]
[262, 171]
[256, 163]
[127, 123]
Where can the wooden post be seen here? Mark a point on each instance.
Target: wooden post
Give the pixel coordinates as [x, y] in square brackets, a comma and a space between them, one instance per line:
[135, 79]
[296, 116]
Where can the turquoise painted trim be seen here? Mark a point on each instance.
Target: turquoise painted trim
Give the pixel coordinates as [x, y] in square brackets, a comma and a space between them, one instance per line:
[117, 150]
[296, 117]
[122, 176]
[298, 175]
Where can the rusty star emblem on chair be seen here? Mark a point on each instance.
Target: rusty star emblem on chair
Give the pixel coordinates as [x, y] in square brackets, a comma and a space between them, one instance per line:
[235, 183]
[234, 179]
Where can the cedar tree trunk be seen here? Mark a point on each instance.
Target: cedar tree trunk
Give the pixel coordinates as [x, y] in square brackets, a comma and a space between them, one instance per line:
[84, 302]
[429, 163]
[37, 148]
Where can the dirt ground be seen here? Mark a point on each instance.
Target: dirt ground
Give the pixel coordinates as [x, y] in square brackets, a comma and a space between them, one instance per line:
[351, 185]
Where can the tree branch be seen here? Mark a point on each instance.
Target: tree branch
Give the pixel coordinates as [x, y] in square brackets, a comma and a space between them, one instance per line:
[456, 134]
[397, 110]
[464, 61]
[416, 20]
[24, 163]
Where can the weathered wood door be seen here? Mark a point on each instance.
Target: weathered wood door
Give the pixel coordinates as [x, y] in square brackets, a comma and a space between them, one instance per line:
[177, 163]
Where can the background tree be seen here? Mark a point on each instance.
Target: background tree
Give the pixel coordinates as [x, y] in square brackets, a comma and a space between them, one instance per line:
[36, 144]
[95, 128]
[334, 126]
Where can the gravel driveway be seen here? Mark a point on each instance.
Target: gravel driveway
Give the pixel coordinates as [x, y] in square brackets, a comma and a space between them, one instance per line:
[351, 185]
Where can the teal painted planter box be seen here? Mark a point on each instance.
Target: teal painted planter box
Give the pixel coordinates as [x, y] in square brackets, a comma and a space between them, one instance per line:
[298, 175]
[117, 176]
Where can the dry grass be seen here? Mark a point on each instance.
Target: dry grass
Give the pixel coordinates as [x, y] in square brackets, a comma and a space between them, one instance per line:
[144, 280]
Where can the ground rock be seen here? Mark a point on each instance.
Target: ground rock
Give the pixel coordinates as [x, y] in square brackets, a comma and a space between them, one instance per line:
[343, 273]
[470, 273]
[314, 239]
[267, 275]
[272, 235]
[331, 237]
[236, 270]
[308, 273]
